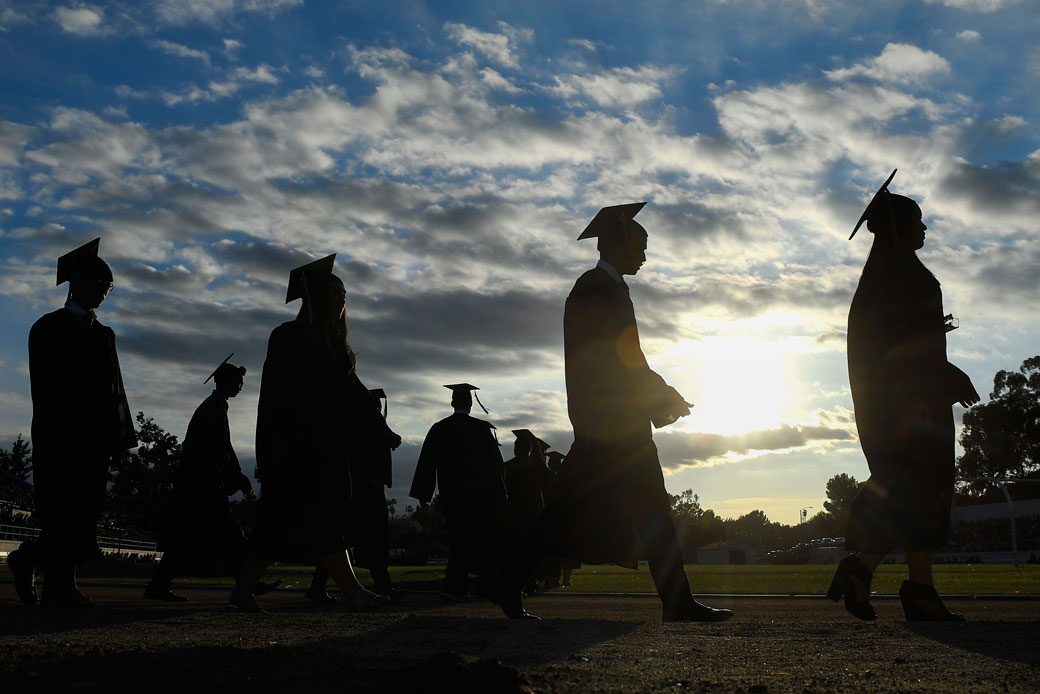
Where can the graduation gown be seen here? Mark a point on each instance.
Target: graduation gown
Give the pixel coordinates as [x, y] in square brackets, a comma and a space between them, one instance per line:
[461, 457]
[313, 413]
[81, 420]
[204, 539]
[371, 470]
[611, 479]
[526, 478]
[902, 394]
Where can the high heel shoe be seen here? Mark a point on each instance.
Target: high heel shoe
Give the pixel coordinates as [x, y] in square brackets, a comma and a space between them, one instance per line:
[842, 585]
[922, 604]
[361, 600]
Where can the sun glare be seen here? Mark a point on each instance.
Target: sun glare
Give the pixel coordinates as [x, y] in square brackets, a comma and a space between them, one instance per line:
[736, 384]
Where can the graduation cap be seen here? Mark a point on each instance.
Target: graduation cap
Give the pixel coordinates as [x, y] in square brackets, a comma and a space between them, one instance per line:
[554, 459]
[610, 219]
[73, 264]
[380, 394]
[882, 193]
[216, 371]
[301, 276]
[526, 435]
[466, 388]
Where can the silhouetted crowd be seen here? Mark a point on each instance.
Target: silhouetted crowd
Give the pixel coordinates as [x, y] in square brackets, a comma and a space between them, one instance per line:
[324, 446]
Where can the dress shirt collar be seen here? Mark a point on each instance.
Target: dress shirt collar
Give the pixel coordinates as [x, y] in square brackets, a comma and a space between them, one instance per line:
[78, 311]
[609, 269]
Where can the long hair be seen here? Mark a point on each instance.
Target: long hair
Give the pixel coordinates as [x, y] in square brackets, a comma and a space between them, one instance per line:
[336, 331]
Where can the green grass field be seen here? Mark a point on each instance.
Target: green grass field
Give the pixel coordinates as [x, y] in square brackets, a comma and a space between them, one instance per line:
[809, 579]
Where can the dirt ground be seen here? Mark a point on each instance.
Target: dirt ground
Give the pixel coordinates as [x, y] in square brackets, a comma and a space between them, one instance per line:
[584, 644]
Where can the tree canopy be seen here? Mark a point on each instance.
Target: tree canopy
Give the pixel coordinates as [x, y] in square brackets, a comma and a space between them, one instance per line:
[841, 490]
[1001, 438]
[17, 462]
[142, 479]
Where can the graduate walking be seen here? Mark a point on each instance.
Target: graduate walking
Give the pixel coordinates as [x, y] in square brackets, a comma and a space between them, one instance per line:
[610, 504]
[81, 421]
[460, 456]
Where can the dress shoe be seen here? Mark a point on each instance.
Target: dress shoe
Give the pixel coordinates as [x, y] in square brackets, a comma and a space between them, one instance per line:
[24, 576]
[843, 585]
[319, 594]
[64, 596]
[163, 594]
[694, 611]
[922, 604]
[244, 603]
[509, 600]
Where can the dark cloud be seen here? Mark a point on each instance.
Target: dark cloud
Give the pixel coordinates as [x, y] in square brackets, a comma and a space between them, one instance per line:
[510, 320]
[183, 332]
[1009, 188]
[688, 222]
[683, 450]
[1009, 272]
[658, 306]
[257, 257]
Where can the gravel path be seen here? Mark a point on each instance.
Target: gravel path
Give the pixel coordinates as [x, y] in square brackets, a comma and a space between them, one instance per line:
[584, 644]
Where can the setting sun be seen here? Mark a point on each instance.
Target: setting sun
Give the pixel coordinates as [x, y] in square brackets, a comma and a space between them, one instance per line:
[737, 384]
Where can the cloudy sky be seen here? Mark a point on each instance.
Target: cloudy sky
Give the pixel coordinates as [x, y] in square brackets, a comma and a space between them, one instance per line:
[451, 152]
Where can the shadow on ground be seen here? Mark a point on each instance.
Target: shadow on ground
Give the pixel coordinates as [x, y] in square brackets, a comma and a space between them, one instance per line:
[459, 653]
[1004, 640]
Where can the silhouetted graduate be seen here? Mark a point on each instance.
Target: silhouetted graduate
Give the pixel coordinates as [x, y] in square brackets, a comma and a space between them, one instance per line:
[526, 477]
[611, 503]
[460, 456]
[313, 413]
[81, 421]
[371, 471]
[903, 388]
[202, 537]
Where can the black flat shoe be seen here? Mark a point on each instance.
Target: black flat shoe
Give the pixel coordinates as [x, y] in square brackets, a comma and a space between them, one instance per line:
[243, 603]
[922, 604]
[851, 569]
[694, 611]
[24, 571]
[510, 601]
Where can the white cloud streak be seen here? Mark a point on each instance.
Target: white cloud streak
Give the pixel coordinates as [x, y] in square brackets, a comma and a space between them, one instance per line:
[900, 63]
[176, 49]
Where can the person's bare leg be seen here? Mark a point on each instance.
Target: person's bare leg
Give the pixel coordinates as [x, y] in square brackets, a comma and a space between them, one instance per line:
[920, 565]
[357, 596]
[338, 567]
